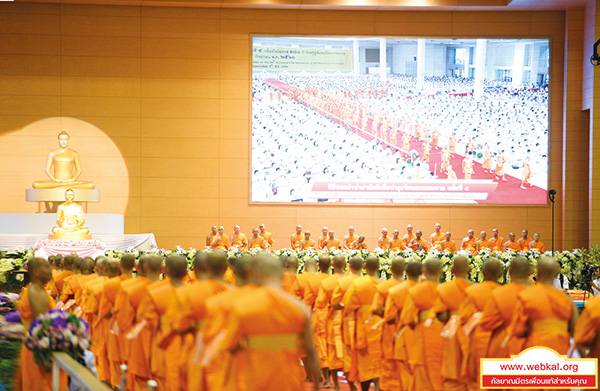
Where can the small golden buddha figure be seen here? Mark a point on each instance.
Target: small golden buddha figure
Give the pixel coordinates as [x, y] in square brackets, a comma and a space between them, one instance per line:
[70, 219]
[63, 168]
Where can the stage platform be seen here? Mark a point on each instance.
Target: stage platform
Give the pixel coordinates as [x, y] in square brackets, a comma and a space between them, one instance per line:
[111, 242]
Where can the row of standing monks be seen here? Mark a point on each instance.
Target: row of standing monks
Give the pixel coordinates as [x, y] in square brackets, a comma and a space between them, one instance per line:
[240, 328]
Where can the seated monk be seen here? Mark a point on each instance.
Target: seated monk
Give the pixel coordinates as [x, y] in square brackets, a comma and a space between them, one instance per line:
[396, 243]
[69, 217]
[535, 244]
[296, 237]
[239, 240]
[332, 242]
[418, 243]
[63, 168]
[437, 237]
[220, 241]
[512, 244]
[469, 243]
[448, 245]
[383, 240]
[359, 244]
[483, 243]
[257, 241]
[307, 242]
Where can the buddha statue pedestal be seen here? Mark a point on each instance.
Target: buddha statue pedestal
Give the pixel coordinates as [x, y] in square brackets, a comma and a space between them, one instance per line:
[70, 236]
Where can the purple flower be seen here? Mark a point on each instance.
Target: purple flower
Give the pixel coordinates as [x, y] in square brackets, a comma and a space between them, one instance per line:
[13, 317]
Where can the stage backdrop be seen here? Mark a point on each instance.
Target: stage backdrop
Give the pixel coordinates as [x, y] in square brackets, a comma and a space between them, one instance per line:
[170, 87]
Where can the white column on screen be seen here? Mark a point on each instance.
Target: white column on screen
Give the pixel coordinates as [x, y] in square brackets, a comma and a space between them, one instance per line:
[480, 53]
[420, 63]
[518, 64]
[356, 57]
[382, 60]
[535, 61]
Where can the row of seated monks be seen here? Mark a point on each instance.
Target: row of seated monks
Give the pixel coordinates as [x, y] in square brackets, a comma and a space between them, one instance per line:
[253, 326]
[438, 240]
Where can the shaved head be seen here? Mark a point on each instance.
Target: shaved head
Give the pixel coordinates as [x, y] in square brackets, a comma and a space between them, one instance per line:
[547, 268]
[113, 267]
[241, 269]
[324, 263]
[291, 263]
[265, 269]
[356, 263]
[339, 262]
[460, 265]
[87, 266]
[39, 270]
[176, 266]
[492, 269]
[217, 263]
[372, 263]
[142, 265]
[432, 268]
[155, 264]
[398, 265]
[414, 269]
[310, 265]
[520, 267]
[127, 261]
[200, 262]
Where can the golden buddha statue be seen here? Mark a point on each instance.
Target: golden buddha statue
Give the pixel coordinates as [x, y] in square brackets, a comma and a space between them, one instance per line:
[63, 169]
[70, 219]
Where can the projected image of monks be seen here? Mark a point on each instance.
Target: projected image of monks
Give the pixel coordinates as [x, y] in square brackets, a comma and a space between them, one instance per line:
[400, 120]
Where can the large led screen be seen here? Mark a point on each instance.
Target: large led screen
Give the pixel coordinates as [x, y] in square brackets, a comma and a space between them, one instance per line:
[399, 120]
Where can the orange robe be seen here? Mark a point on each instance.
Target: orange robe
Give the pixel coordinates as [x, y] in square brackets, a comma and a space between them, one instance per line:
[497, 315]
[484, 244]
[288, 280]
[588, 324]
[348, 240]
[105, 315]
[388, 379]
[60, 280]
[497, 244]
[425, 357]
[321, 241]
[333, 243]
[90, 303]
[420, 244]
[526, 174]
[366, 349]
[259, 242]
[240, 242]
[296, 240]
[452, 146]
[537, 246]
[348, 324]
[467, 166]
[445, 160]
[268, 238]
[310, 243]
[547, 311]
[403, 335]
[222, 244]
[311, 292]
[479, 339]
[229, 276]
[397, 245]
[323, 323]
[449, 246]
[450, 296]
[469, 245]
[187, 314]
[300, 285]
[525, 244]
[270, 365]
[407, 238]
[383, 242]
[437, 240]
[358, 246]
[452, 174]
[487, 160]
[513, 246]
[500, 160]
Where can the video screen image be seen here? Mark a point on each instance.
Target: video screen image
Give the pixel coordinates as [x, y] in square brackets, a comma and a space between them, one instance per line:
[399, 120]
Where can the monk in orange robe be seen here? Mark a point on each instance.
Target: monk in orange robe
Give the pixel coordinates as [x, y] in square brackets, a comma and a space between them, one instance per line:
[445, 160]
[266, 235]
[469, 243]
[290, 275]
[586, 329]
[239, 240]
[332, 243]
[300, 285]
[467, 167]
[452, 145]
[366, 347]
[307, 242]
[56, 270]
[448, 244]
[450, 296]
[436, 238]
[343, 327]
[403, 336]
[388, 379]
[418, 243]
[524, 240]
[512, 244]
[71, 283]
[409, 235]
[496, 242]
[209, 237]
[425, 154]
[483, 243]
[470, 312]
[128, 316]
[549, 325]
[526, 175]
[220, 241]
[435, 138]
[60, 278]
[396, 243]
[348, 239]
[359, 244]
[425, 356]
[451, 173]
[535, 244]
[323, 238]
[186, 314]
[487, 160]
[105, 315]
[499, 310]
[383, 240]
[500, 160]
[257, 241]
[323, 324]
[268, 332]
[296, 238]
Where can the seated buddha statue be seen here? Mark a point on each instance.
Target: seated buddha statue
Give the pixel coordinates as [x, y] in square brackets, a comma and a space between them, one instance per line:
[63, 168]
[70, 219]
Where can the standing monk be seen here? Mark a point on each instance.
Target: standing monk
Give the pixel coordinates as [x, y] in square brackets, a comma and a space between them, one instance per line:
[470, 313]
[349, 239]
[389, 379]
[588, 325]
[209, 237]
[266, 235]
[469, 243]
[452, 144]
[35, 302]
[450, 296]
[500, 160]
[220, 241]
[487, 160]
[343, 328]
[300, 285]
[437, 237]
[445, 160]
[383, 240]
[451, 173]
[296, 238]
[366, 348]
[467, 166]
[500, 307]
[526, 174]
[239, 240]
[403, 336]
[425, 356]
[544, 315]
[396, 243]
[496, 242]
[290, 274]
